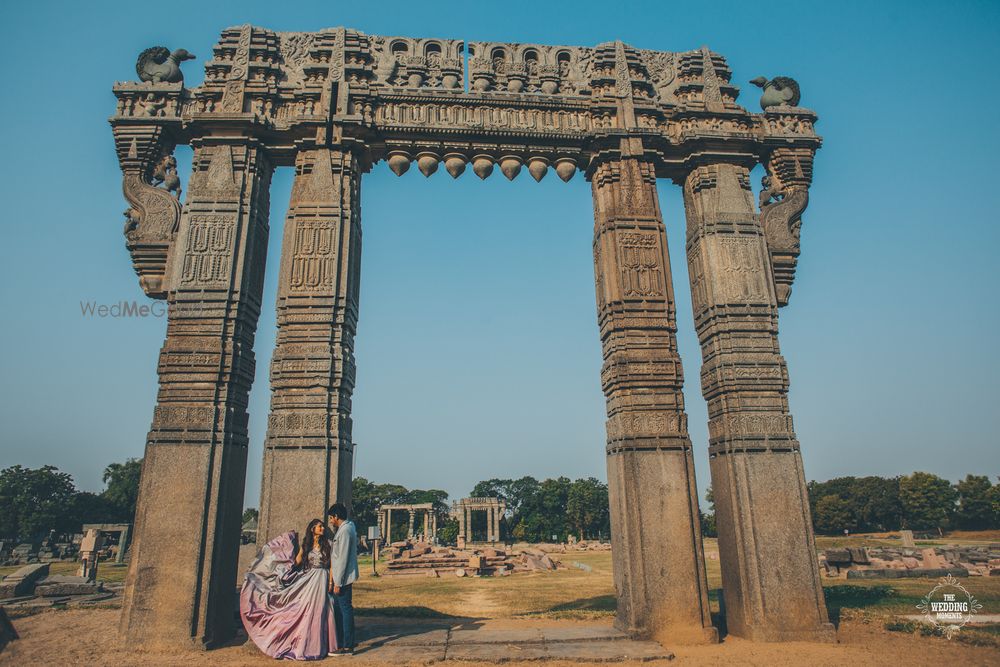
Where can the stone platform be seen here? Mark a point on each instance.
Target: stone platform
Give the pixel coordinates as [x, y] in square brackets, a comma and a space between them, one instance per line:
[385, 640]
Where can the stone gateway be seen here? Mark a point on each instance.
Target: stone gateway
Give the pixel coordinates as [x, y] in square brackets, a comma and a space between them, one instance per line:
[333, 103]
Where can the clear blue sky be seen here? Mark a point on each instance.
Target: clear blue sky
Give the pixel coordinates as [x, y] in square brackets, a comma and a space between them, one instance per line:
[477, 350]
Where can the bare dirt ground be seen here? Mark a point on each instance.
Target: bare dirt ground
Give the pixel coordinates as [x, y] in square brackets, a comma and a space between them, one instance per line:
[571, 597]
[89, 637]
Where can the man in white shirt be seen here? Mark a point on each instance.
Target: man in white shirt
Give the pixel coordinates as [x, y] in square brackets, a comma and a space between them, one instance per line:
[343, 573]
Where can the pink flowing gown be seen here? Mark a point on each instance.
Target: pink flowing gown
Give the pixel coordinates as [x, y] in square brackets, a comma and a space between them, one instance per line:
[287, 612]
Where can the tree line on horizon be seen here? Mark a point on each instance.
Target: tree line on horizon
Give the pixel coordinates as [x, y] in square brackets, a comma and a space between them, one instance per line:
[536, 510]
[35, 501]
[921, 502]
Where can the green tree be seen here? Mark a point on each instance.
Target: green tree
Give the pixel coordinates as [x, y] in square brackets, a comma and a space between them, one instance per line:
[587, 507]
[994, 497]
[122, 487]
[708, 526]
[87, 507]
[975, 509]
[520, 497]
[250, 514]
[436, 497]
[448, 531]
[832, 515]
[927, 501]
[367, 497]
[875, 504]
[35, 501]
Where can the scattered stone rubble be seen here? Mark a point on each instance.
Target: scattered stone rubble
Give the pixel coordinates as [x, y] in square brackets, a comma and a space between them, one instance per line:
[900, 562]
[32, 586]
[420, 558]
[574, 545]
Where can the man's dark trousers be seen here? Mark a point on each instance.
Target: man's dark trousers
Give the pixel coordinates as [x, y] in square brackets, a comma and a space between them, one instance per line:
[343, 613]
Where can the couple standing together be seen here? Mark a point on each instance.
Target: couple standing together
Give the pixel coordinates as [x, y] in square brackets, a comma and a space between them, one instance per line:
[296, 601]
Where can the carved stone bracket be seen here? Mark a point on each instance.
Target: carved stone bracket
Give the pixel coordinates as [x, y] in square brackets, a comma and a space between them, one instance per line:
[152, 190]
[784, 197]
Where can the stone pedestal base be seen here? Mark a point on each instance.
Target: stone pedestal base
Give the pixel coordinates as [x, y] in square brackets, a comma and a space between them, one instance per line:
[170, 594]
[770, 574]
[659, 568]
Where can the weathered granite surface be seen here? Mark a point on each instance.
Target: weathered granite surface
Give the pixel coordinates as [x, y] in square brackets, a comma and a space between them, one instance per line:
[22, 582]
[335, 102]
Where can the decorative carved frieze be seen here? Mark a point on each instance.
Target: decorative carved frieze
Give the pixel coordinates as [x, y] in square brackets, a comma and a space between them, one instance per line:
[404, 62]
[529, 68]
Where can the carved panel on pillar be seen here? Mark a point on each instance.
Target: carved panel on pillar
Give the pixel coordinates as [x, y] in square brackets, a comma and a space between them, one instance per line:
[769, 569]
[650, 466]
[313, 370]
[183, 564]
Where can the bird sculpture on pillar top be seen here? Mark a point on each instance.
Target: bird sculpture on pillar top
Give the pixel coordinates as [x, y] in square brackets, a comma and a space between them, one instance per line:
[779, 91]
[159, 65]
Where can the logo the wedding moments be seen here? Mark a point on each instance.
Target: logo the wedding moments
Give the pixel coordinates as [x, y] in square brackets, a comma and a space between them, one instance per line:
[123, 309]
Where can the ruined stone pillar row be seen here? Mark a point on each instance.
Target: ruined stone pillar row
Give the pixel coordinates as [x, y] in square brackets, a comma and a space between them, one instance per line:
[187, 524]
[308, 449]
[659, 568]
[770, 574]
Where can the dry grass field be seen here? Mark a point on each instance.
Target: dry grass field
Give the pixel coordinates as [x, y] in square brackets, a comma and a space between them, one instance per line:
[866, 612]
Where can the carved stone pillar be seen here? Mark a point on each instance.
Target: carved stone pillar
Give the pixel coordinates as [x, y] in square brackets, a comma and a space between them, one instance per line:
[187, 522]
[308, 448]
[388, 526]
[659, 568]
[770, 575]
[409, 526]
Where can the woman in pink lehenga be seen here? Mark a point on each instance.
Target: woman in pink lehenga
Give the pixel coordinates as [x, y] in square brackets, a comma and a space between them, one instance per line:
[285, 602]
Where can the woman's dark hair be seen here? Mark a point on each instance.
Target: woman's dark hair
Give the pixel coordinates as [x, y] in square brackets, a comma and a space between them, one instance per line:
[324, 544]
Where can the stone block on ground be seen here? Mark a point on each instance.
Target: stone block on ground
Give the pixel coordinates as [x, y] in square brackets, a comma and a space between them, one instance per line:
[859, 555]
[60, 585]
[23, 580]
[838, 556]
[931, 559]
